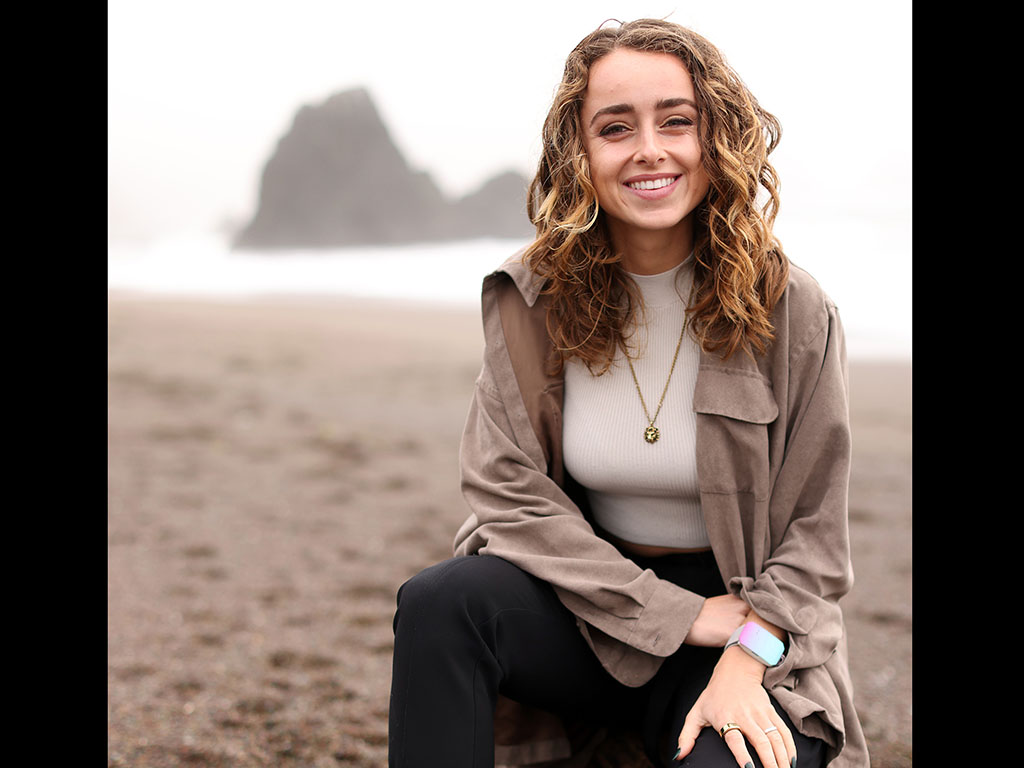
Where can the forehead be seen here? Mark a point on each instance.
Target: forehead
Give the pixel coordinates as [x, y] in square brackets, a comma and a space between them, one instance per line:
[630, 76]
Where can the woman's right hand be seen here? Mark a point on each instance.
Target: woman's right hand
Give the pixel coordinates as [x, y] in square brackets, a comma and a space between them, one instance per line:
[719, 617]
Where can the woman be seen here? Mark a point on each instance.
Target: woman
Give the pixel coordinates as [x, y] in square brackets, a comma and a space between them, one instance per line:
[656, 457]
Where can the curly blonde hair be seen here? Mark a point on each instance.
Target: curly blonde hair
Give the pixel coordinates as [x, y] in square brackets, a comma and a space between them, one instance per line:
[740, 270]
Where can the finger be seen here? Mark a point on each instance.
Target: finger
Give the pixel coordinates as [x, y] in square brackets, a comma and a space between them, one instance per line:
[762, 744]
[787, 739]
[738, 747]
[778, 742]
[692, 727]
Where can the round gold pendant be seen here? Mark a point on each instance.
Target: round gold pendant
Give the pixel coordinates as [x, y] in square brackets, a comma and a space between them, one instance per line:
[651, 434]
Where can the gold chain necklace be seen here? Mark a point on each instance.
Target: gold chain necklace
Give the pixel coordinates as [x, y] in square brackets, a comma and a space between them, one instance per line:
[651, 434]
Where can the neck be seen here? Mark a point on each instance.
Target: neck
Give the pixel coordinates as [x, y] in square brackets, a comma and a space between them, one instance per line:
[650, 252]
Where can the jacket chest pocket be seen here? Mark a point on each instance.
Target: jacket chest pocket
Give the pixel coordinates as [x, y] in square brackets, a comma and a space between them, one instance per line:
[734, 410]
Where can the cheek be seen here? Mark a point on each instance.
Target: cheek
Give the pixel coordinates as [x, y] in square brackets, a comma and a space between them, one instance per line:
[698, 173]
[603, 172]
[694, 156]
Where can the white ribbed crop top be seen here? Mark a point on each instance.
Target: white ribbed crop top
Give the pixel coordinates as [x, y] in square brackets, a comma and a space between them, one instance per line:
[641, 492]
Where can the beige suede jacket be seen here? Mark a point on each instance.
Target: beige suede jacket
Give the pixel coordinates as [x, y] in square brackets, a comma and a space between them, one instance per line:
[773, 461]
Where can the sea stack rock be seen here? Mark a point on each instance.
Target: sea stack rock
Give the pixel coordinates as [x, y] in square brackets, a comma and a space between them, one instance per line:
[337, 179]
[496, 209]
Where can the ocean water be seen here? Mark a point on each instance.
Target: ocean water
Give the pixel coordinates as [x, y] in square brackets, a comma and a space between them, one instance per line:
[203, 265]
[868, 276]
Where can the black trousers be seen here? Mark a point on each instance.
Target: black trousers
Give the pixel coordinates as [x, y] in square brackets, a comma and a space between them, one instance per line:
[472, 627]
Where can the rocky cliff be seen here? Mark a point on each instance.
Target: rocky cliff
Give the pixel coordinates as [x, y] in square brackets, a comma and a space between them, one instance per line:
[336, 179]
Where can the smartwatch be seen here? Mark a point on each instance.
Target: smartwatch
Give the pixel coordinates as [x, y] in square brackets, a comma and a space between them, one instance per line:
[759, 643]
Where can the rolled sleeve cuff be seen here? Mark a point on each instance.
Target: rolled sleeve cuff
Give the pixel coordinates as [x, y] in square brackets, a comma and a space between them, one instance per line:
[666, 620]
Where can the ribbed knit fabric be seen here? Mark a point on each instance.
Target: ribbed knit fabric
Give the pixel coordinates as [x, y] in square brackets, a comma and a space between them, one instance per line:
[641, 492]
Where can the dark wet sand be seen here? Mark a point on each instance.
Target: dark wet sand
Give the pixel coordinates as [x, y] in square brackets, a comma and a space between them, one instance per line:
[277, 468]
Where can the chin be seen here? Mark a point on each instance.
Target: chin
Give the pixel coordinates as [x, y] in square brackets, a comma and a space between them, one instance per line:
[656, 224]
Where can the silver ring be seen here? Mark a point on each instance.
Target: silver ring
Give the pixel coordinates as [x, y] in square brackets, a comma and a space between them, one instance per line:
[769, 730]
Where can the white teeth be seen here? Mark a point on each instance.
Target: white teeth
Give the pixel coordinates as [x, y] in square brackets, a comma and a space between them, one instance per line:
[656, 184]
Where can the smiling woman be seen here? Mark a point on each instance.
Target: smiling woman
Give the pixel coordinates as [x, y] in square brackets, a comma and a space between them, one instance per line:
[682, 587]
[642, 141]
[612, 80]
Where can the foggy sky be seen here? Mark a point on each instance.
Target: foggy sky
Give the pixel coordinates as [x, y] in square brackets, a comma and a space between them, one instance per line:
[200, 92]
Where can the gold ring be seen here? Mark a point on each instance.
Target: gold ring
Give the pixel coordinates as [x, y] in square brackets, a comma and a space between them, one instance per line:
[728, 727]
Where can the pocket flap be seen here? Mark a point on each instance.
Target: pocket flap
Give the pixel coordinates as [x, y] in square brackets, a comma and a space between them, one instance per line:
[735, 394]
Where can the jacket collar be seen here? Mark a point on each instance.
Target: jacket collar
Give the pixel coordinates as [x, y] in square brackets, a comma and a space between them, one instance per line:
[528, 283]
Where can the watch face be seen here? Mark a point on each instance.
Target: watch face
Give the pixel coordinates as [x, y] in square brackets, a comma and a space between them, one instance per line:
[762, 643]
[752, 634]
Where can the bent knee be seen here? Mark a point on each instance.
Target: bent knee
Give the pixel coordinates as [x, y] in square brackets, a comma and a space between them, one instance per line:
[469, 585]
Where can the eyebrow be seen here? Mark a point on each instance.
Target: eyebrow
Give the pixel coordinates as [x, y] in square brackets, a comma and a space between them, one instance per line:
[621, 109]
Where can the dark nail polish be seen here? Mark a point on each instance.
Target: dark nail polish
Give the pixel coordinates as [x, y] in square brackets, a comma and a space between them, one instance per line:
[749, 765]
[792, 763]
[678, 752]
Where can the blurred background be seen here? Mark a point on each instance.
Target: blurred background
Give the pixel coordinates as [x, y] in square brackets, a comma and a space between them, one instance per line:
[203, 95]
[290, 361]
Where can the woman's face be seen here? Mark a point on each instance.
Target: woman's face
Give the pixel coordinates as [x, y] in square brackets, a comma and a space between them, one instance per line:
[640, 130]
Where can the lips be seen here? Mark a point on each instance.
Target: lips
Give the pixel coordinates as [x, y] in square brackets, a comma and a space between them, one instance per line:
[651, 183]
[652, 187]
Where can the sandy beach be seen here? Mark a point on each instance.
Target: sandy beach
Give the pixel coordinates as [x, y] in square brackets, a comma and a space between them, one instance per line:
[278, 467]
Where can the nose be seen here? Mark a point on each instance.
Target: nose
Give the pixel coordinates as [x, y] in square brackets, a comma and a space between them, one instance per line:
[649, 150]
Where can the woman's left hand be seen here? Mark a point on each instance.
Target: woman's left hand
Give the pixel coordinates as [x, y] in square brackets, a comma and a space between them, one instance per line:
[735, 694]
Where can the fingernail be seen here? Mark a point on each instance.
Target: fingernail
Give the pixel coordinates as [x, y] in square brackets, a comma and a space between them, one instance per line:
[677, 754]
[749, 765]
[792, 763]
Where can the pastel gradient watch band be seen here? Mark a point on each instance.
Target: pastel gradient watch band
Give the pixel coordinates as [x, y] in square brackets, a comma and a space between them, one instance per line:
[759, 643]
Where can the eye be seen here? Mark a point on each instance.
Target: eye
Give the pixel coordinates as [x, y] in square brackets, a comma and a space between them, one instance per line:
[678, 122]
[613, 129]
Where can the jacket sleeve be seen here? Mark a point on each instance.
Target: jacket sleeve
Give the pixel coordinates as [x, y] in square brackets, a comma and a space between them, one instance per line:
[808, 567]
[520, 514]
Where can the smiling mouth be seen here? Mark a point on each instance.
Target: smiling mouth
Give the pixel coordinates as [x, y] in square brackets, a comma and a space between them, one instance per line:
[652, 183]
